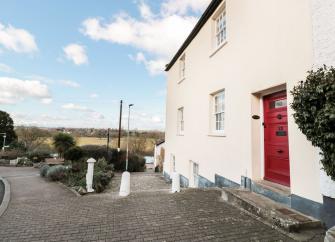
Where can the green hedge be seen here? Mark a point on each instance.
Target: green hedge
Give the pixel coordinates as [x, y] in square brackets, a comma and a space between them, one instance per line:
[314, 106]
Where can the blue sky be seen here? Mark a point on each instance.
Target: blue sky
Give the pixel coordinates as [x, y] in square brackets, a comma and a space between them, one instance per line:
[68, 63]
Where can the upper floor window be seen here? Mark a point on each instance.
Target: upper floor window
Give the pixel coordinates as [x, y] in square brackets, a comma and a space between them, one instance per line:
[219, 111]
[182, 67]
[220, 28]
[181, 121]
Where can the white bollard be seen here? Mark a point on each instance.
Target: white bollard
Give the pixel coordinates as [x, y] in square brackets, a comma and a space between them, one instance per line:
[330, 235]
[125, 184]
[175, 182]
[89, 175]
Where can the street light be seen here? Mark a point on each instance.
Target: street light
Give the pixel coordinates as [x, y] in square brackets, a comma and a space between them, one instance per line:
[125, 179]
[4, 141]
[129, 106]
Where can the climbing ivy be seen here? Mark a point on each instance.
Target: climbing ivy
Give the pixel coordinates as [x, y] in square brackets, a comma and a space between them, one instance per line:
[314, 106]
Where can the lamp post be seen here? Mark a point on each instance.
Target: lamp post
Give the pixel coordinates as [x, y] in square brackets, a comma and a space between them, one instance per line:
[127, 155]
[120, 121]
[125, 179]
[4, 141]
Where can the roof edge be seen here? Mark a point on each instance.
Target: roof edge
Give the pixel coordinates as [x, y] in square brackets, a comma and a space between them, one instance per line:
[202, 21]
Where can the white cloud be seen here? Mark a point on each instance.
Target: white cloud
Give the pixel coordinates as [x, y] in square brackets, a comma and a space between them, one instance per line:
[156, 36]
[154, 66]
[145, 11]
[18, 40]
[182, 7]
[96, 115]
[46, 100]
[14, 90]
[69, 83]
[72, 106]
[76, 53]
[156, 119]
[94, 95]
[5, 68]
[88, 114]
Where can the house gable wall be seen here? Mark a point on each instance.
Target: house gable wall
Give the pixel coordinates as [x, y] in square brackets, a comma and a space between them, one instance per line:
[269, 44]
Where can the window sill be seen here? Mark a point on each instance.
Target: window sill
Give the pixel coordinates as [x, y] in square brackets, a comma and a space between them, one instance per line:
[181, 80]
[217, 49]
[217, 135]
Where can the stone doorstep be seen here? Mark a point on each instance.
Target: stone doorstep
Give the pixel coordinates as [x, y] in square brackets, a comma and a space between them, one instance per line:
[275, 213]
[274, 187]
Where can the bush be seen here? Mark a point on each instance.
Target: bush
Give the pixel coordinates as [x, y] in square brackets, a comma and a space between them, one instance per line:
[11, 154]
[97, 152]
[76, 179]
[74, 153]
[135, 163]
[314, 106]
[44, 170]
[78, 166]
[38, 156]
[57, 173]
[24, 162]
[101, 180]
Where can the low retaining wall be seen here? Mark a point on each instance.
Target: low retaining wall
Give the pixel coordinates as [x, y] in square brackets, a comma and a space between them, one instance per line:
[4, 195]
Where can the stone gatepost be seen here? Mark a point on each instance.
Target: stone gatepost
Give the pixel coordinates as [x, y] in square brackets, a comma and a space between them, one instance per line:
[89, 174]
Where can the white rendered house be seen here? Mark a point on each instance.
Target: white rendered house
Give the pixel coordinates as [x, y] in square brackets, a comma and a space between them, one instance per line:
[229, 122]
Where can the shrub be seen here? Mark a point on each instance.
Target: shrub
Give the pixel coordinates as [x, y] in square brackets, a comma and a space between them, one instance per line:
[74, 153]
[44, 170]
[11, 154]
[38, 156]
[24, 162]
[314, 106]
[62, 142]
[78, 166]
[101, 180]
[57, 173]
[101, 164]
[97, 152]
[135, 163]
[76, 179]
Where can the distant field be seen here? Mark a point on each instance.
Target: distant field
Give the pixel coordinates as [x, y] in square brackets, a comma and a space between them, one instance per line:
[81, 141]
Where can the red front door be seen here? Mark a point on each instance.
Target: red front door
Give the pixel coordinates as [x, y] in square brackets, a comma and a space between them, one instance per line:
[276, 151]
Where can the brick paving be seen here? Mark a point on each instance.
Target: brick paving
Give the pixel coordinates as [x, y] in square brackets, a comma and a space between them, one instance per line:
[45, 211]
[140, 182]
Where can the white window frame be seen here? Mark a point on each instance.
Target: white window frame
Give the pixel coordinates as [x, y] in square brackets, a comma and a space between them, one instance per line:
[221, 29]
[219, 32]
[218, 112]
[182, 68]
[180, 120]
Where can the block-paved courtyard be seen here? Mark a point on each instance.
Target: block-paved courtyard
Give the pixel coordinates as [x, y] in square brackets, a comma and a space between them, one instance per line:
[45, 211]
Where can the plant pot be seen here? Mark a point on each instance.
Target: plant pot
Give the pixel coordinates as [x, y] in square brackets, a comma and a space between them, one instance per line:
[327, 185]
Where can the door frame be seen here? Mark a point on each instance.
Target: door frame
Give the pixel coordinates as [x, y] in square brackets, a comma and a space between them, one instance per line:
[262, 135]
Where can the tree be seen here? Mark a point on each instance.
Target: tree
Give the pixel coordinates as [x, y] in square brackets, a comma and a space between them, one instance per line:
[314, 106]
[74, 153]
[7, 126]
[32, 137]
[63, 142]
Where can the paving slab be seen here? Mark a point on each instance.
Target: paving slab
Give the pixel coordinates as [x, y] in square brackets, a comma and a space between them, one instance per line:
[44, 211]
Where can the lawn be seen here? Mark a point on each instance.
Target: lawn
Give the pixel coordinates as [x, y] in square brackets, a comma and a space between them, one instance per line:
[81, 141]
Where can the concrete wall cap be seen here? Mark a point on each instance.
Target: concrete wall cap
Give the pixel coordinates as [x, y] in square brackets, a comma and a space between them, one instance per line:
[91, 160]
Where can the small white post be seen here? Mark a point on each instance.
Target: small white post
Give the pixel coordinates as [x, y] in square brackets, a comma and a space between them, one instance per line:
[89, 174]
[175, 182]
[125, 184]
